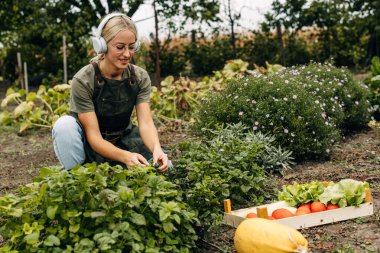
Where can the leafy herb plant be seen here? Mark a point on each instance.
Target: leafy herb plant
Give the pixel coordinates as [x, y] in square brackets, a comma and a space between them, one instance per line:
[97, 209]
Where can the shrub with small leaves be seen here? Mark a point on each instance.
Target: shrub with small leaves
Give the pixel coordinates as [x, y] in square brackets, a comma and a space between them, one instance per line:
[225, 163]
[97, 209]
[306, 107]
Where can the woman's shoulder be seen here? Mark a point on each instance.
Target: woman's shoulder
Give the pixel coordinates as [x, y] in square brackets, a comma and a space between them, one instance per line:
[140, 72]
[86, 73]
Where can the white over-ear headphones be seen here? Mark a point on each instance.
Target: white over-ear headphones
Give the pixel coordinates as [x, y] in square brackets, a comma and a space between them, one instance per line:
[99, 43]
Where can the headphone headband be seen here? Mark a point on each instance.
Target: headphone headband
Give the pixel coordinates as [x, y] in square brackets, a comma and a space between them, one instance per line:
[99, 43]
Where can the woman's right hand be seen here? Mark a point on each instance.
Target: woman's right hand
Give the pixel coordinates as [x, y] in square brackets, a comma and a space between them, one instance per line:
[131, 159]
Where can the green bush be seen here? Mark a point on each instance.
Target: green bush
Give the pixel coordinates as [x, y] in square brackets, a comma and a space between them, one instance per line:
[97, 209]
[226, 163]
[373, 81]
[304, 107]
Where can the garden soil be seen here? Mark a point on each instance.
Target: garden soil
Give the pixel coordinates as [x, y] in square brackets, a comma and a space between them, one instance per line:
[357, 157]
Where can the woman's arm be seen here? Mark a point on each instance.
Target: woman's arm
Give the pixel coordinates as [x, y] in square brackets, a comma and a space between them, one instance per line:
[149, 135]
[106, 149]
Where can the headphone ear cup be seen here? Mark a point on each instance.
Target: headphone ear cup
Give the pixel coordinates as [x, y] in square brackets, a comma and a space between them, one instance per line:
[99, 44]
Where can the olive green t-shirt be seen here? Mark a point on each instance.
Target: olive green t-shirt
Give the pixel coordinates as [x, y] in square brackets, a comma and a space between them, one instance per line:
[82, 88]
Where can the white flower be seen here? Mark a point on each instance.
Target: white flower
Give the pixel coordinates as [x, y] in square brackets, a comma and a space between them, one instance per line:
[294, 96]
[316, 101]
[254, 128]
[286, 81]
[253, 101]
[357, 102]
[256, 123]
[241, 113]
[286, 131]
[327, 150]
[267, 115]
[285, 99]
[236, 97]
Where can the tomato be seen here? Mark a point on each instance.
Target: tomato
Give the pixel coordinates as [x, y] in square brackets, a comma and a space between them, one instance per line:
[317, 206]
[303, 210]
[281, 213]
[251, 215]
[308, 205]
[332, 206]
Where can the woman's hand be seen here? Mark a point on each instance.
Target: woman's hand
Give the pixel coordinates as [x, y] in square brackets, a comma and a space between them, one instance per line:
[161, 158]
[131, 159]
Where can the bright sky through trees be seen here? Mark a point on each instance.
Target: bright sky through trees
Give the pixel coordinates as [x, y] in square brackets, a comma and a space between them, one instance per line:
[252, 12]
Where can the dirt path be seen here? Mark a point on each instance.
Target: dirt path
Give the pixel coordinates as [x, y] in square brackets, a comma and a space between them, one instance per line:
[21, 158]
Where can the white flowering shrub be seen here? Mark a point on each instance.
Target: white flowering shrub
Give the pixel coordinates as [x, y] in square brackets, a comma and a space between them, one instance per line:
[306, 108]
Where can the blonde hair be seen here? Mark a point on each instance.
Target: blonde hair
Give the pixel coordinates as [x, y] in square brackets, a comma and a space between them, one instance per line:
[113, 27]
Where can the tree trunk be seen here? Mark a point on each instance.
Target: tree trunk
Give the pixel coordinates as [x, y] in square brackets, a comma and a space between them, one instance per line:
[232, 24]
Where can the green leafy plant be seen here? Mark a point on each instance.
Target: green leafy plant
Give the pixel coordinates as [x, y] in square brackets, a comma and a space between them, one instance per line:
[297, 194]
[347, 192]
[224, 163]
[35, 109]
[97, 209]
[373, 81]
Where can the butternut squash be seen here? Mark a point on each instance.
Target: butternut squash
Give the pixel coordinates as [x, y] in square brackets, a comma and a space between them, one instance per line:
[265, 236]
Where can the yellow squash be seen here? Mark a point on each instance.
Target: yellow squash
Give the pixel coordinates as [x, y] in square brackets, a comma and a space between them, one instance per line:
[259, 235]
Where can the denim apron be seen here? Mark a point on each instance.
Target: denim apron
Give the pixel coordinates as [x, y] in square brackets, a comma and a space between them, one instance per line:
[114, 101]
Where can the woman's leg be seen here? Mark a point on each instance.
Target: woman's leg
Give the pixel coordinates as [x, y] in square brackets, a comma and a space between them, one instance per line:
[68, 142]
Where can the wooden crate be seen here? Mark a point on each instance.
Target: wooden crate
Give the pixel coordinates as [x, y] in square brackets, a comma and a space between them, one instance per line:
[234, 218]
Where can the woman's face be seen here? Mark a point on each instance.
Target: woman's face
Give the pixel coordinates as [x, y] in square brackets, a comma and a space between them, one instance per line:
[120, 50]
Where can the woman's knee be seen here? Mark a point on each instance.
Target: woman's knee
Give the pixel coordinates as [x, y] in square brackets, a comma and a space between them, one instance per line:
[66, 126]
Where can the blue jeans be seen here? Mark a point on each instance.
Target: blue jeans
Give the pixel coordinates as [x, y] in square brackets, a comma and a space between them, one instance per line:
[68, 141]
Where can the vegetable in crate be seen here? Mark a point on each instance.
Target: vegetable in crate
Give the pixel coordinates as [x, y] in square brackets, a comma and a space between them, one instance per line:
[347, 192]
[264, 236]
[297, 194]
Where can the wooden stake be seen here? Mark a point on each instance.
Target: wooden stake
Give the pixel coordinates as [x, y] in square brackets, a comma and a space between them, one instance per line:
[227, 206]
[64, 60]
[19, 70]
[368, 195]
[26, 78]
[262, 212]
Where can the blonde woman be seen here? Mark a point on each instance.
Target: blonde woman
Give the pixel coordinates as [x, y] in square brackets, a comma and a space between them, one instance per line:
[103, 96]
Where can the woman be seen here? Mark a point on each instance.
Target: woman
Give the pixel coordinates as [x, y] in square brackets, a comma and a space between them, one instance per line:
[103, 96]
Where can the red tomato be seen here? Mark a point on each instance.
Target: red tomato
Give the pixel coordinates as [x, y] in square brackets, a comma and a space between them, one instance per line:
[317, 206]
[332, 206]
[281, 213]
[251, 215]
[303, 210]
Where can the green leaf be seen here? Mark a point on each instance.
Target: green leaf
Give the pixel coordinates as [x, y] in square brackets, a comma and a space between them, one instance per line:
[52, 240]
[97, 214]
[74, 228]
[138, 219]
[16, 212]
[168, 227]
[10, 98]
[32, 238]
[32, 96]
[23, 109]
[50, 211]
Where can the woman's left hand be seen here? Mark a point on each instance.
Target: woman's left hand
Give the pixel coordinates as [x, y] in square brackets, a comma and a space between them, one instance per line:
[161, 158]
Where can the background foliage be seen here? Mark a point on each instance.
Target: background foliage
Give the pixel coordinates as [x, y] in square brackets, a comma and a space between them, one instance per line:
[293, 32]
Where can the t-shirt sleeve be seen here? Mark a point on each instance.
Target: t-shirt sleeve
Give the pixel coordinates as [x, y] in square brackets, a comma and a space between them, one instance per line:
[145, 88]
[81, 96]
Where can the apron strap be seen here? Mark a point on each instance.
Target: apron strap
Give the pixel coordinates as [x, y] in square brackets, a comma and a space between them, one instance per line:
[98, 75]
